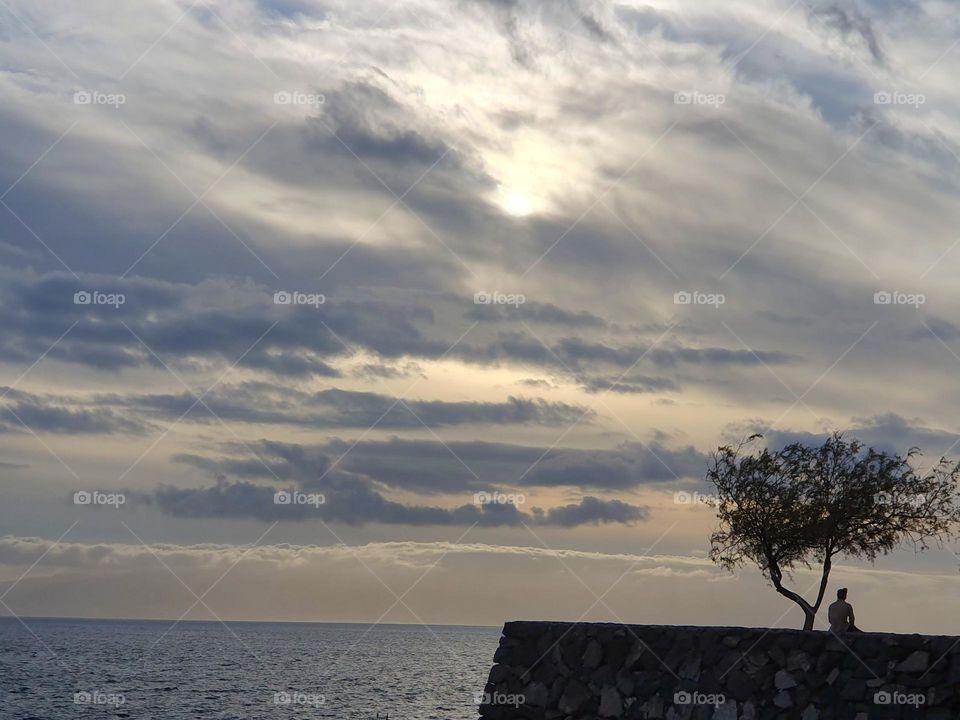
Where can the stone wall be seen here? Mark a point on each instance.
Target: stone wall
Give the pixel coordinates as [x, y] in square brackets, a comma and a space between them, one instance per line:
[575, 671]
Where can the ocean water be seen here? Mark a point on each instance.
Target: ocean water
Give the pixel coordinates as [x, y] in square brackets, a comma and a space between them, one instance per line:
[67, 669]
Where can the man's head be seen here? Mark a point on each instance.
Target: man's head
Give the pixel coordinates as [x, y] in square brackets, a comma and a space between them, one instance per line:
[842, 594]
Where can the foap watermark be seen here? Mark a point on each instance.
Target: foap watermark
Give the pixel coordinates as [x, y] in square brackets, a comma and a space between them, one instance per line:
[98, 697]
[95, 97]
[698, 698]
[885, 498]
[499, 698]
[682, 497]
[296, 97]
[885, 697]
[295, 497]
[895, 297]
[498, 498]
[498, 298]
[695, 97]
[95, 497]
[893, 97]
[685, 297]
[95, 297]
[293, 697]
[295, 297]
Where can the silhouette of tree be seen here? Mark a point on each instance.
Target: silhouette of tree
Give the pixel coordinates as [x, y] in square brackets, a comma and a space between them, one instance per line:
[806, 505]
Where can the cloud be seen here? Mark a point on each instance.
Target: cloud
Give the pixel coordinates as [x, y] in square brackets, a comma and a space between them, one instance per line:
[849, 21]
[349, 500]
[448, 581]
[593, 511]
[431, 466]
[260, 402]
[534, 312]
[24, 551]
[238, 324]
[630, 466]
[890, 432]
[55, 415]
[631, 383]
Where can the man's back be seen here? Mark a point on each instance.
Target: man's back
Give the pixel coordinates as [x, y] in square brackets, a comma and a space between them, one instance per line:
[840, 615]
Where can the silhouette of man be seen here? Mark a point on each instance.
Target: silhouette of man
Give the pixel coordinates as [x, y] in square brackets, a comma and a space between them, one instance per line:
[840, 613]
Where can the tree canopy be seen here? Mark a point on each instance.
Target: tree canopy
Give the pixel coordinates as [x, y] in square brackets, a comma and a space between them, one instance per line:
[808, 504]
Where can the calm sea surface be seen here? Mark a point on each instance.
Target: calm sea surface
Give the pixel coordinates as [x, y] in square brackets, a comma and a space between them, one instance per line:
[68, 669]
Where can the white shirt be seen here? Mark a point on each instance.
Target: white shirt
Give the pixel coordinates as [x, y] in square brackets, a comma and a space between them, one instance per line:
[840, 615]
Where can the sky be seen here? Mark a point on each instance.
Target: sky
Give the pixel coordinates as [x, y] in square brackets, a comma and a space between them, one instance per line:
[427, 311]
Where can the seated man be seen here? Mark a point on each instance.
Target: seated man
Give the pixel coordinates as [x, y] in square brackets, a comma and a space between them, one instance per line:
[840, 613]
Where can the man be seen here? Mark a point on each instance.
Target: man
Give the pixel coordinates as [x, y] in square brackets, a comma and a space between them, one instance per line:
[840, 614]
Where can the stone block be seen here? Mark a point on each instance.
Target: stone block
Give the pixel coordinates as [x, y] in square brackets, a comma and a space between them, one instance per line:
[783, 680]
[916, 662]
[611, 704]
[593, 655]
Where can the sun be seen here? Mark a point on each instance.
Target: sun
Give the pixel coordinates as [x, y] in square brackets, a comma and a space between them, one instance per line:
[516, 204]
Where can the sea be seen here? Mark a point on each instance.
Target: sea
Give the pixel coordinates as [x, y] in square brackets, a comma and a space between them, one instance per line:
[60, 669]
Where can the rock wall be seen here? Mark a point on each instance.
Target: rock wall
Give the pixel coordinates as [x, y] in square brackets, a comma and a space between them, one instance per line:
[575, 671]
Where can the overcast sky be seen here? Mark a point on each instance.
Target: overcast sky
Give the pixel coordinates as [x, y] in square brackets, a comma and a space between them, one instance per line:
[394, 259]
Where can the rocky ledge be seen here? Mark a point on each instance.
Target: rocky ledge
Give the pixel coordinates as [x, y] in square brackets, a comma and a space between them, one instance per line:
[576, 671]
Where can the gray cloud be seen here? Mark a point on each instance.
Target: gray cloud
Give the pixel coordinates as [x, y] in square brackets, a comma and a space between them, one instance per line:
[356, 503]
[848, 21]
[229, 321]
[259, 402]
[594, 512]
[890, 432]
[431, 466]
[55, 415]
[534, 312]
[631, 384]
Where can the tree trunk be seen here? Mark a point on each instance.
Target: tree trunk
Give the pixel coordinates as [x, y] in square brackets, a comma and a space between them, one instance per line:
[825, 573]
[809, 611]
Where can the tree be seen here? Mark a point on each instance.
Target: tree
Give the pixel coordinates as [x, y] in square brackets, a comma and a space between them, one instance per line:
[806, 505]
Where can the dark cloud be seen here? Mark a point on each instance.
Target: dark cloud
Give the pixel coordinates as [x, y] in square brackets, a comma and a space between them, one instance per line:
[536, 383]
[937, 329]
[783, 319]
[356, 503]
[534, 312]
[259, 402]
[57, 415]
[576, 351]
[628, 467]
[519, 22]
[385, 371]
[230, 321]
[215, 320]
[889, 431]
[507, 15]
[848, 21]
[631, 384]
[430, 466]
[368, 122]
[592, 511]
[291, 9]
[368, 137]
[594, 27]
